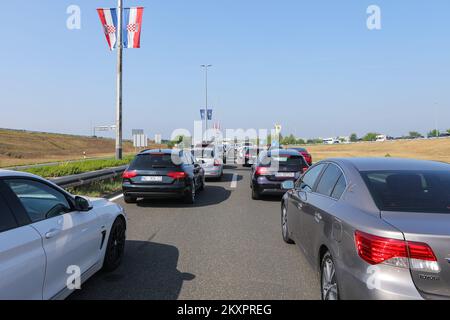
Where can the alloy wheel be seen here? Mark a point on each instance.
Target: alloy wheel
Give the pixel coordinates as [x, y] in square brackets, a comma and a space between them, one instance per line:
[329, 281]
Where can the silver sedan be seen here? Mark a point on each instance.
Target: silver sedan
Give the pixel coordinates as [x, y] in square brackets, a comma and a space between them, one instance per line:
[373, 228]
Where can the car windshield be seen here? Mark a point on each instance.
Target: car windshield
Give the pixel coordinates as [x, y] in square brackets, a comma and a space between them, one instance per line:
[204, 153]
[285, 162]
[410, 191]
[152, 161]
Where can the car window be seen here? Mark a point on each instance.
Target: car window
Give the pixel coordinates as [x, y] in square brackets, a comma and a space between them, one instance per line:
[410, 191]
[39, 200]
[310, 178]
[152, 161]
[339, 188]
[329, 179]
[7, 221]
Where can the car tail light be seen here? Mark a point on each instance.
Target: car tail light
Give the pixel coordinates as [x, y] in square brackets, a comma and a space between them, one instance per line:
[129, 174]
[177, 175]
[262, 171]
[399, 253]
[304, 169]
[217, 163]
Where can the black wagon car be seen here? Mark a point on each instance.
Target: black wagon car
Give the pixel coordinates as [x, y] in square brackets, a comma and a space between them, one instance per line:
[163, 174]
[274, 167]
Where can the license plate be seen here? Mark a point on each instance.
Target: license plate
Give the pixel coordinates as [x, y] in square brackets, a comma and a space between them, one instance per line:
[152, 179]
[285, 175]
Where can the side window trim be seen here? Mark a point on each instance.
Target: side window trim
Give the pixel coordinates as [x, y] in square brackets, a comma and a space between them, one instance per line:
[313, 188]
[17, 204]
[320, 178]
[14, 204]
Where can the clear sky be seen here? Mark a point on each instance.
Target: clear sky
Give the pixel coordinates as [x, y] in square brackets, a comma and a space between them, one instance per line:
[312, 66]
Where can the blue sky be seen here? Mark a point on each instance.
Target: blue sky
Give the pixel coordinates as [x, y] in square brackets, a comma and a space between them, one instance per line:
[312, 66]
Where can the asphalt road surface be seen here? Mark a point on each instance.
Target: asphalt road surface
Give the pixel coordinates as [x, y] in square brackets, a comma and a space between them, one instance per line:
[227, 246]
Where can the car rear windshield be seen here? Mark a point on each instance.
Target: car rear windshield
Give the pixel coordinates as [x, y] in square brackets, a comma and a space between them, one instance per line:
[284, 162]
[410, 191]
[204, 153]
[152, 161]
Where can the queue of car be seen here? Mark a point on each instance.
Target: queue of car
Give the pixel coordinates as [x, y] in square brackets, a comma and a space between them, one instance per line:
[370, 228]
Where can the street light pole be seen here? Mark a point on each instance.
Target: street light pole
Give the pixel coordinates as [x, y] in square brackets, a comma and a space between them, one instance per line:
[119, 147]
[206, 66]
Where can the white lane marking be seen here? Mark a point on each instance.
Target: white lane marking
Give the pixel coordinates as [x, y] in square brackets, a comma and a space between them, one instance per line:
[234, 181]
[116, 198]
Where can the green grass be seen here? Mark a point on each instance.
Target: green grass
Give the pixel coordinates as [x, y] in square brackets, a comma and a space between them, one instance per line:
[98, 189]
[68, 169]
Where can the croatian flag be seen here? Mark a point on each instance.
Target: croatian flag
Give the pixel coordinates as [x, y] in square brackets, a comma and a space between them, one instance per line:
[132, 25]
[131, 29]
[108, 18]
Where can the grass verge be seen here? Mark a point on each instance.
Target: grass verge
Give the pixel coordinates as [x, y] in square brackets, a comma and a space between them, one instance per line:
[98, 189]
[71, 168]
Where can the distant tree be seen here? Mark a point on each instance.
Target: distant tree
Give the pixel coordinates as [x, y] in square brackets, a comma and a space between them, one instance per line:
[414, 134]
[371, 136]
[174, 142]
[300, 141]
[433, 133]
[353, 137]
[448, 131]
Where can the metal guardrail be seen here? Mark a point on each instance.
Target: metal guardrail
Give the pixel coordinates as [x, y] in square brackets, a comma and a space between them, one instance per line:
[88, 177]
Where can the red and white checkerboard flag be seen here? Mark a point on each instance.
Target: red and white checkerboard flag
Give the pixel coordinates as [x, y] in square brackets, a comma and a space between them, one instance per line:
[132, 26]
[131, 29]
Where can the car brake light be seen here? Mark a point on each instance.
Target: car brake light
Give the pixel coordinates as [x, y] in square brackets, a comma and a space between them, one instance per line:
[262, 171]
[217, 163]
[177, 175]
[399, 253]
[129, 174]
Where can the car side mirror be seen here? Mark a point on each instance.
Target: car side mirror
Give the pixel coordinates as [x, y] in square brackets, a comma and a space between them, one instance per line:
[288, 185]
[83, 204]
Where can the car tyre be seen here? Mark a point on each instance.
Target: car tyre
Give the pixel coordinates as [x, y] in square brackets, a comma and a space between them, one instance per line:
[116, 246]
[255, 194]
[284, 226]
[202, 186]
[328, 278]
[130, 199]
[189, 198]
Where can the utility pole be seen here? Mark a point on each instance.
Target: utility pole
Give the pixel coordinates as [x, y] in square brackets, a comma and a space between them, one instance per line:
[119, 147]
[206, 66]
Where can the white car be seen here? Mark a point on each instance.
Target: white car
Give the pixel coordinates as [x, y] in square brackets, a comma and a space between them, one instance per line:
[210, 161]
[48, 237]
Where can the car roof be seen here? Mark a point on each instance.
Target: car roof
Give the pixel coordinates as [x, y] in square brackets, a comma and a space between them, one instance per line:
[380, 164]
[11, 173]
[155, 151]
[289, 152]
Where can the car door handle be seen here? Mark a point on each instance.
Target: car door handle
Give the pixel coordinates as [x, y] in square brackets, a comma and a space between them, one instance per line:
[52, 233]
[318, 217]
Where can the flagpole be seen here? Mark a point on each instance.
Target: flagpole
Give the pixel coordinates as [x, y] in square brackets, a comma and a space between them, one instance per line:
[119, 147]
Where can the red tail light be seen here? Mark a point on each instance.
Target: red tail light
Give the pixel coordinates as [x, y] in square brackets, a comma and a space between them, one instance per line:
[129, 174]
[305, 169]
[262, 171]
[217, 163]
[400, 253]
[177, 175]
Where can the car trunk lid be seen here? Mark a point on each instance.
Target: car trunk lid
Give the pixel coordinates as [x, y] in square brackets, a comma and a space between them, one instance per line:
[432, 229]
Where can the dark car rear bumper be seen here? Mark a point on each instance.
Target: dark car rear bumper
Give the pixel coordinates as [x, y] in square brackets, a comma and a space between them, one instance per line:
[157, 191]
[267, 187]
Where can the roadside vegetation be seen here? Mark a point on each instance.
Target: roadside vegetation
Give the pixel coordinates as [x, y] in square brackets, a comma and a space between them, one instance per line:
[99, 189]
[71, 168]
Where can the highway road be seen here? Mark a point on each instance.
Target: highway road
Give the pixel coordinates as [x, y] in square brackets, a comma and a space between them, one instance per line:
[226, 246]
